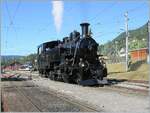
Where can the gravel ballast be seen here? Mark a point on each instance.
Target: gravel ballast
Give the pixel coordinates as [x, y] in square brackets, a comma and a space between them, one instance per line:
[103, 100]
[100, 98]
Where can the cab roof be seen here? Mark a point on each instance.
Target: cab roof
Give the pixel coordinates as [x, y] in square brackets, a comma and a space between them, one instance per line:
[50, 43]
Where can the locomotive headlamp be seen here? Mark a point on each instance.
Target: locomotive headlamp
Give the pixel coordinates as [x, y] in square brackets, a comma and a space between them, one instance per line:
[82, 65]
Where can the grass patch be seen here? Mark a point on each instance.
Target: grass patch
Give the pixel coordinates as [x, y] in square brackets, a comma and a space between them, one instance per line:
[138, 71]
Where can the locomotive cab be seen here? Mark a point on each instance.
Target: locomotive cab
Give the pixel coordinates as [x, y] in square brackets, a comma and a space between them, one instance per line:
[48, 55]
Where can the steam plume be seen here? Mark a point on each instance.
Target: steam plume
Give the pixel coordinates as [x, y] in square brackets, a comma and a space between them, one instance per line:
[57, 11]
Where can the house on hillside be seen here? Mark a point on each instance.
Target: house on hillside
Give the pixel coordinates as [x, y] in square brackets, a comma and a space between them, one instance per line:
[135, 55]
[122, 52]
[139, 54]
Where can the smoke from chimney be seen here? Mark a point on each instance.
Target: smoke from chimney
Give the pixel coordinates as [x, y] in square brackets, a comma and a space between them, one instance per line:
[57, 12]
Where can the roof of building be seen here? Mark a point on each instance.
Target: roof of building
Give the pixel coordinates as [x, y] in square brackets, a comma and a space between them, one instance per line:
[138, 49]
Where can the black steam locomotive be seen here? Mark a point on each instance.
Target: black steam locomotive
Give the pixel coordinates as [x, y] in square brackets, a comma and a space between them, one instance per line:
[73, 60]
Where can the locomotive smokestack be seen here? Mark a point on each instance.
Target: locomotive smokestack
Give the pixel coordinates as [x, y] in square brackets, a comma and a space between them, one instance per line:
[85, 29]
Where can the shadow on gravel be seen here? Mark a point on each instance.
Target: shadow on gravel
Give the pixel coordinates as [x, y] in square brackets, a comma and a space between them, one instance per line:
[14, 79]
[115, 81]
[110, 83]
[2, 109]
[115, 72]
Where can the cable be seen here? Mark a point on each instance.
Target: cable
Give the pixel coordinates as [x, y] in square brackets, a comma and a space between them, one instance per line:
[102, 11]
[15, 13]
[6, 5]
[104, 34]
[136, 8]
[11, 18]
[17, 8]
[43, 29]
[130, 11]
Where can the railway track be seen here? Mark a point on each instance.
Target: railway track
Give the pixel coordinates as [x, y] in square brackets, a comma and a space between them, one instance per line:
[41, 97]
[11, 94]
[34, 99]
[85, 106]
[130, 85]
[30, 100]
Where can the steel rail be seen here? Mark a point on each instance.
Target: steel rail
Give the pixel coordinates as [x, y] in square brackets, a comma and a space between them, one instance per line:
[21, 93]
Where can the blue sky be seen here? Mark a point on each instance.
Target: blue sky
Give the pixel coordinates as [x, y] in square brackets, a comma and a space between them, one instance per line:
[26, 24]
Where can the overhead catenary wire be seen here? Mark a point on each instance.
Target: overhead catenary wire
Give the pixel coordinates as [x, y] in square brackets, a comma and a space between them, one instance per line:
[132, 10]
[11, 19]
[46, 26]
[117, 22]
[102, 11]
[104, 34]
[121, 13]
[6, 5]
[136, 8]
[17, 8]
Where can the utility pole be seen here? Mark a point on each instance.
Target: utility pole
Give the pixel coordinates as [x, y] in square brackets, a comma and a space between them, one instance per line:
[127, 35]
[148, 29]
[148, 41]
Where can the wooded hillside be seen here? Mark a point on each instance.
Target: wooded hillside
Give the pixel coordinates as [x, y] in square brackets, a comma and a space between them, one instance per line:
[138, 38]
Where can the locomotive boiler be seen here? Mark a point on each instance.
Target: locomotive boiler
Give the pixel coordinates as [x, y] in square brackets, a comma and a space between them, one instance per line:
[73, 60]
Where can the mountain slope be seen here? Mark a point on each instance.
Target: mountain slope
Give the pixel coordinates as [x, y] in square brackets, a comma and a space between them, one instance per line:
[8, 59]
[138, 38]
